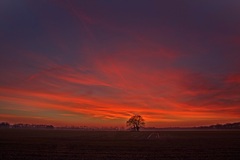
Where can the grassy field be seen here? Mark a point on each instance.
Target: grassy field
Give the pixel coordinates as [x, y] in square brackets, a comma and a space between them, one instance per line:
[74, 144]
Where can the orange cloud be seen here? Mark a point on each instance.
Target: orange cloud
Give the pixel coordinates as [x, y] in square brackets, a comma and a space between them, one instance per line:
[87, 63]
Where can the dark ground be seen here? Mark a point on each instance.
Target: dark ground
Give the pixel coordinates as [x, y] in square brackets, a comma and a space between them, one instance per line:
[74, 144]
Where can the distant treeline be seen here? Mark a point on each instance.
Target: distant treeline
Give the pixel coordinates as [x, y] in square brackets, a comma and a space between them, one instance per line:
[235, 125]
[21, 125]
[42, 126]
[222, 126]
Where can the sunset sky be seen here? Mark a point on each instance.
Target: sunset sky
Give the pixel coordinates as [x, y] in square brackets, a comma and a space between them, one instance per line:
[98, 62]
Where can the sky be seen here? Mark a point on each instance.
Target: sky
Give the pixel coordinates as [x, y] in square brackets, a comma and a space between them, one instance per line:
[98, 62]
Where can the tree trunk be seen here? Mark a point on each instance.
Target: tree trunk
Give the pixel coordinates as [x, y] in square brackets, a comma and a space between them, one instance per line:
[137, 128]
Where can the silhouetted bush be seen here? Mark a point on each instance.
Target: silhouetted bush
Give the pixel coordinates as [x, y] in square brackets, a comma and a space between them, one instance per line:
[4, 125]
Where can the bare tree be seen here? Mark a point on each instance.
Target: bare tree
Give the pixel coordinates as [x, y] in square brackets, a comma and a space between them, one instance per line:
[135, 122]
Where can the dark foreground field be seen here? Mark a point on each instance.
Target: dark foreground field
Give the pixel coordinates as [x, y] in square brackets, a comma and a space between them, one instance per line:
[73, 144]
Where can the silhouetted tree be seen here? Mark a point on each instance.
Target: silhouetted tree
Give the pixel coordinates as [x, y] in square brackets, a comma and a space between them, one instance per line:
[135, 122]
[4, 125]
[50, 126]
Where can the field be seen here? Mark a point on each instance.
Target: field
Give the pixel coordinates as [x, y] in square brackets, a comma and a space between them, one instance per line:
[74, 144]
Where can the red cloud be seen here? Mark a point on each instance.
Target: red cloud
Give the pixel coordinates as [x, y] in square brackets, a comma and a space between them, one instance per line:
[102, 70]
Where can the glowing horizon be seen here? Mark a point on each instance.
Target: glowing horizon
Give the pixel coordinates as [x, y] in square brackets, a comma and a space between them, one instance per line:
[96, 64]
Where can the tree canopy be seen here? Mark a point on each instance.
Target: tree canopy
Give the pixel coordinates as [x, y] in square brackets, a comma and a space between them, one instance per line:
[135, 122]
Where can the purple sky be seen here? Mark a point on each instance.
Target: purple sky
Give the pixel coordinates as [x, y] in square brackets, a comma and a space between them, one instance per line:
[97, 62]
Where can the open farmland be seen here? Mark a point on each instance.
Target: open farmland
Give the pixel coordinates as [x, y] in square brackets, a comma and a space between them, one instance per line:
[74, 144]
